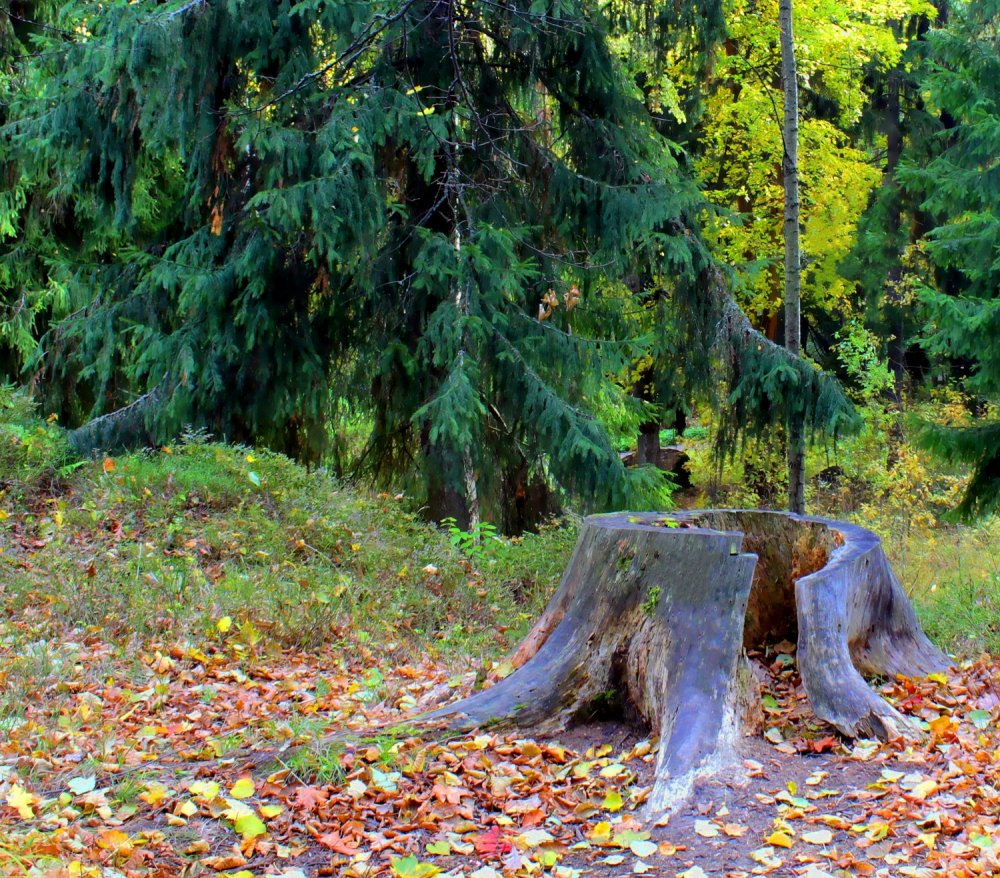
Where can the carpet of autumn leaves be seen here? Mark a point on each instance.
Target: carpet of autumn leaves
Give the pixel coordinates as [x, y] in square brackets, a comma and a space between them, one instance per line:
[180, 632]
[189, 767]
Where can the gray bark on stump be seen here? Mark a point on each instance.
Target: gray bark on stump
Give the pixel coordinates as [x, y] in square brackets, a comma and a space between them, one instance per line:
[654, 612]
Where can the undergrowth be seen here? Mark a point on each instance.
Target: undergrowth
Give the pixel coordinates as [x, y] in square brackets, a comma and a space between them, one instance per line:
[203, 539]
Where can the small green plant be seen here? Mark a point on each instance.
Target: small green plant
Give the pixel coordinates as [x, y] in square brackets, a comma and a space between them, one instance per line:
[652, 601]
[475, 543]
[321, 764]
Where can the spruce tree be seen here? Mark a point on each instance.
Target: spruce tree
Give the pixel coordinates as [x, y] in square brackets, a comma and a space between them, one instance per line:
[424, 208]
[959, 188]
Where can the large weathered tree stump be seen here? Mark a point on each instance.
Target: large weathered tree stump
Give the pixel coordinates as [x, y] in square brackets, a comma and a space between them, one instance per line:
[654, 612]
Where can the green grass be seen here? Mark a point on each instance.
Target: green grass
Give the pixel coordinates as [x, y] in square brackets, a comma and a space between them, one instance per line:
[161, 545]
[954, 579]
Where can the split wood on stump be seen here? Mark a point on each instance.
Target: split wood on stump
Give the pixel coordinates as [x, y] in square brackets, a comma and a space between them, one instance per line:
[654, 612]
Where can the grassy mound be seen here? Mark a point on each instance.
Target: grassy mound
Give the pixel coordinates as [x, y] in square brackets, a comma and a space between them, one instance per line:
[179, 542]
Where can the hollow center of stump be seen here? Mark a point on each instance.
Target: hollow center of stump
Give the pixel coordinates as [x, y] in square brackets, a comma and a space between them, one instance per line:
[786, 549]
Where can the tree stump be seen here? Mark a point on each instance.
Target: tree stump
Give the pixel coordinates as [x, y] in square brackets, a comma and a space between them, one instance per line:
[653, 614]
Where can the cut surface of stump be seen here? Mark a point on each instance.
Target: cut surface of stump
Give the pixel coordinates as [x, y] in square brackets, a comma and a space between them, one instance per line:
[653, 614]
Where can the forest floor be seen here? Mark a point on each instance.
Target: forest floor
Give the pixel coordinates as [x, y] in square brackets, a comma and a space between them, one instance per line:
[178, 769]
[180, 630]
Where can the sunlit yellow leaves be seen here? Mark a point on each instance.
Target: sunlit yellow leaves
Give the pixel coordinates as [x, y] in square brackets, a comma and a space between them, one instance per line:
[154, 794]
[779, 839]
[243, 788]
[877, 831]
[116, 842]
[613, 801]
[204, 790]
[923, 789]
[601, 833]
[21, 801]
[224, 624]
[411, 867]
[249, 826]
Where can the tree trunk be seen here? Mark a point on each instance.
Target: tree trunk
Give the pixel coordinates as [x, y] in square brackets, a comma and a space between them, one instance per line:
[894, 308]
[793, 263]
[648, 445]
[127, 427]
[651, 618]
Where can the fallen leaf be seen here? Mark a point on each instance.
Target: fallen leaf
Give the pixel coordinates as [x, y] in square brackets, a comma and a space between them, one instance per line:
[249, 826]
[21, 800]
[243, 788]
[411, 867]
[642, 849]
[613, 802]
[81, 785]
[706, 829]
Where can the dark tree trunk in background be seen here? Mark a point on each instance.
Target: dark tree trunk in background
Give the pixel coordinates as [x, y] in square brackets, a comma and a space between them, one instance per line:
[793, 261]
[648, 447]
[652, 616]
[894, 151]
[895, 311]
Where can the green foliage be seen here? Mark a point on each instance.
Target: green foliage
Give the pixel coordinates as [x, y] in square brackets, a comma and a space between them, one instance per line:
[651, 602]
[963, 614]
[466, 225]
[256, 202]
[960, 191]
[477, 542]
[32, 450]
[170, 542]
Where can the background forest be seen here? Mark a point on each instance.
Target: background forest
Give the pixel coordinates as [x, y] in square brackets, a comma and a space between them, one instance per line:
[475, 250]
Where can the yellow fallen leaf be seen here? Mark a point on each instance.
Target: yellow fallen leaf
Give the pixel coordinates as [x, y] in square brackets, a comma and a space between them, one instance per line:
[706, 829]
[154, 794]
[922, 790]
[819, 836]
[115, 841]
[243, 788]
[249, 826]
[21, 800]
[601, 832]
[612, 801]
[224, 624]
[204, 789]
[877, 831]
[779, 840]
[269, 811]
